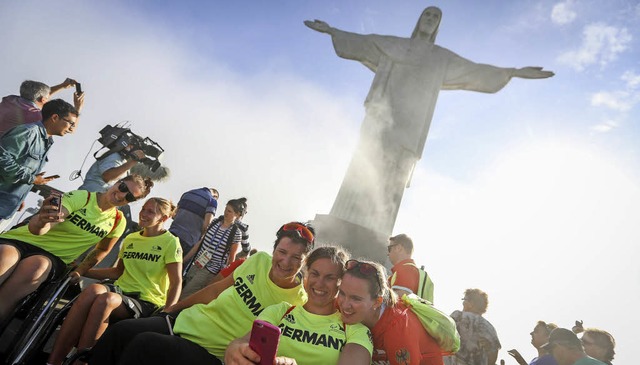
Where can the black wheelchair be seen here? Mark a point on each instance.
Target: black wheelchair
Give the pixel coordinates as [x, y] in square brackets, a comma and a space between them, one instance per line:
[35, 319]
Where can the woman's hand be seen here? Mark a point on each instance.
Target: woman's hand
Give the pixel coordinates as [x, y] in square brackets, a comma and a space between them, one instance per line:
[239, 353]
[75, 277]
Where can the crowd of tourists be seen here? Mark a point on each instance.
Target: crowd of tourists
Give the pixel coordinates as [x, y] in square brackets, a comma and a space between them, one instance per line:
[190, 292]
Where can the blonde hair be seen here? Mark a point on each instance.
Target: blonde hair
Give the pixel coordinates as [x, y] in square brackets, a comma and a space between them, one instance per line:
[164, 206]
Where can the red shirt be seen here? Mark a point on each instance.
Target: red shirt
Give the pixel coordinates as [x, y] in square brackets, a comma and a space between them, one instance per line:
[400, 339]
[405, 275]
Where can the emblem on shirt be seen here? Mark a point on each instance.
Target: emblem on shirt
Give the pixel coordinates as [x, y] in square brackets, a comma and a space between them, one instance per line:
[334, 327]
[82, 211]
[290, 318]
[129, 246]
[250, 278]
[156, 248]
[403, 357]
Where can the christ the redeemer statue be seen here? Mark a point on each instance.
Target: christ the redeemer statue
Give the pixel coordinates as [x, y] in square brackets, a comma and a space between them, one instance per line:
[409, 74]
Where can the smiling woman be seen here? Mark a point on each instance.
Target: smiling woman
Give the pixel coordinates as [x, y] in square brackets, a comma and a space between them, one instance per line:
[148, 275]
[207, 321]
[59, 233]
[313, 333]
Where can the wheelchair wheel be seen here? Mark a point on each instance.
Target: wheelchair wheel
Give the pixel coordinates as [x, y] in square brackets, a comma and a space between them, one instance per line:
[38, 324]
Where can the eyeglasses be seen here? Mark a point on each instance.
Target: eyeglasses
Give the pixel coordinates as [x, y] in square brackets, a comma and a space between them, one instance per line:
[363, 268]
[391, 246]
[72, 124]
[125, 189]
[302, 230]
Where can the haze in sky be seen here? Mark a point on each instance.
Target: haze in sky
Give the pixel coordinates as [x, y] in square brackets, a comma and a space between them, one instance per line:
[530, 194]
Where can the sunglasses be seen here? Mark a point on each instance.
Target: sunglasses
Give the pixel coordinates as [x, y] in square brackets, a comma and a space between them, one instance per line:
[125, 189]
[363, 268]
[302, 231]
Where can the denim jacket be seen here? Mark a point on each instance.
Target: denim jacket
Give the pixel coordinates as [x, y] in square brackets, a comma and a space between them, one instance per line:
[23, 153]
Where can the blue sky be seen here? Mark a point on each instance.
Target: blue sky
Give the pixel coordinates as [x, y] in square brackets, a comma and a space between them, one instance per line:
[530, 194]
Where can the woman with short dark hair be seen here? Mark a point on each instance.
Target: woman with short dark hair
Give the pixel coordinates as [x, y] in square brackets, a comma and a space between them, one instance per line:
[219, 244]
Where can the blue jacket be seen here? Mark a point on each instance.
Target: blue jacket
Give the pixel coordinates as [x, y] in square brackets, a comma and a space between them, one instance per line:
[23, 153]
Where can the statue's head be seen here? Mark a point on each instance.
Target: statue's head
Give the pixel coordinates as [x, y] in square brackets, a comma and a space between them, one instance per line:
[428, 24]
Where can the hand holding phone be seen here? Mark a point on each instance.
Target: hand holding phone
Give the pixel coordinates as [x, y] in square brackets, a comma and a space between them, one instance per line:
[56, 201]
[52, 177]
[78, 88]
[264, 340]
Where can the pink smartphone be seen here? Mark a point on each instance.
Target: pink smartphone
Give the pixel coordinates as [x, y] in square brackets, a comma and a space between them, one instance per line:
[264, 340]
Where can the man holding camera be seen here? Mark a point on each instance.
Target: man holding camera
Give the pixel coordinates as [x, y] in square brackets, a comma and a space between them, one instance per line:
[111, 168]
[23, 153]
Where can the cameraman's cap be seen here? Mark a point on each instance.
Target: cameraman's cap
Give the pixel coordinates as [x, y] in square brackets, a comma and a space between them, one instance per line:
[562, 336]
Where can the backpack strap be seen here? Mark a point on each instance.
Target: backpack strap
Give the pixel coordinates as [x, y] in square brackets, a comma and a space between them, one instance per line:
[425, 285]
[232, 234]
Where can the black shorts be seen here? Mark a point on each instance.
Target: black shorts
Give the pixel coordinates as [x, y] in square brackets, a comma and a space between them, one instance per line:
[137, 307]
[58, 267]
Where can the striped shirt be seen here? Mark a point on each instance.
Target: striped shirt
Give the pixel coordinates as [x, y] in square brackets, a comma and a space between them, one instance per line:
[215, 242]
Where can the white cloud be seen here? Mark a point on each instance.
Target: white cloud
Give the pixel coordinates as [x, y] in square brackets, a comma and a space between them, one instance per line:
[530, 221]
[562, 13]
[270, 136]
[617, 100]
[604, 127]
[601, 44]
[632, 79]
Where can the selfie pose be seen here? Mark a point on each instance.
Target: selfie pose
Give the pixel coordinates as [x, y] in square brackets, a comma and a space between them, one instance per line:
[330, 340]
[214, 316]
[59, 233]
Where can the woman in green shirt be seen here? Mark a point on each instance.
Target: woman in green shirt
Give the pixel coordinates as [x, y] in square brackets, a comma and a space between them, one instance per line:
[148, 273]
[312, 334]
[211, 318]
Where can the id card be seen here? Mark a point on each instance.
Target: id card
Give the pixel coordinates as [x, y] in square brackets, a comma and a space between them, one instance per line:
[203, 259]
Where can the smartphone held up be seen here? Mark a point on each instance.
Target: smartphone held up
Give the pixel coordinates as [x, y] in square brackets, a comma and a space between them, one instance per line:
[56, 201]
[264, 340]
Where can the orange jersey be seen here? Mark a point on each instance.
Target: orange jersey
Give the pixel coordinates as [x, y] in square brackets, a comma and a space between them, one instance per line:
[400, 339]
[406, 276]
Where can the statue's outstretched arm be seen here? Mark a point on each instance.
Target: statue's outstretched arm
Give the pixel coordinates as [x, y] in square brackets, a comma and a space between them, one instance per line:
[532, 73]
[318, 26]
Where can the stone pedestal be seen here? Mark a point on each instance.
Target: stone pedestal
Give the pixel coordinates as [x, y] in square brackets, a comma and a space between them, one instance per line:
[360, 241]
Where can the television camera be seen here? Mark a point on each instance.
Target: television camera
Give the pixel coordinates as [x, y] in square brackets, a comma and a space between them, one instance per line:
[119, 138]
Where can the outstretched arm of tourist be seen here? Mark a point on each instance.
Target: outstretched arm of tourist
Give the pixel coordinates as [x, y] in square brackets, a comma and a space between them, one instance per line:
[78, 100]
[516, 355]
[67, 83]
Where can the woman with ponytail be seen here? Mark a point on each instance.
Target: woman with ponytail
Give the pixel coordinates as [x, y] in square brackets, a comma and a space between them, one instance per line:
[148, 276]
